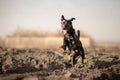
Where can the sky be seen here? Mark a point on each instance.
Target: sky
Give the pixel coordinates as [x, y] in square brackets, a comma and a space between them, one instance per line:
[98, 18]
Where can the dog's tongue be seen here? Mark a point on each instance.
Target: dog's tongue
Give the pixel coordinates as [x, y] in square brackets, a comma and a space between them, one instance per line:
[64, 31]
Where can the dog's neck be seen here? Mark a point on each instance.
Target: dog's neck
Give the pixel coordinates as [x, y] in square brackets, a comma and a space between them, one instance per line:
[71, 31]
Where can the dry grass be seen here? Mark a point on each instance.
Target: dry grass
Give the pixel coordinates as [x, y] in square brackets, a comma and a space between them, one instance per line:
[40, 39]
[40, 42]
[34, 42]
[33, 33]
[2, 42]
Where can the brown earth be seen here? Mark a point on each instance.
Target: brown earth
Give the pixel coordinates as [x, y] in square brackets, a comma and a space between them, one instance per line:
[101, 63]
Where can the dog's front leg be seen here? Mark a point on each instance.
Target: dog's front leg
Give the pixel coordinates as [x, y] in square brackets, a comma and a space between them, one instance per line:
[64, 43]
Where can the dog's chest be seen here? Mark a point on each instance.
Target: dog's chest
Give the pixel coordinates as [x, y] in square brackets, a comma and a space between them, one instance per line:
[70, 38]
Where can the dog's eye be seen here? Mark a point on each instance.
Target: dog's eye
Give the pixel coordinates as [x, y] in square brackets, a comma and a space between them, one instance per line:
[64, 22]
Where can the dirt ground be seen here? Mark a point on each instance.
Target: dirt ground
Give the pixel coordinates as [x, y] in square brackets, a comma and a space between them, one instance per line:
[101, 63]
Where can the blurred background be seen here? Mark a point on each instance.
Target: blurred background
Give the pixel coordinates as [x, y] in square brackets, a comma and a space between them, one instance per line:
[98, 20]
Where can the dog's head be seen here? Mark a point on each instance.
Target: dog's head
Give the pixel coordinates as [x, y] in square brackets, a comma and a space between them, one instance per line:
[66, 24]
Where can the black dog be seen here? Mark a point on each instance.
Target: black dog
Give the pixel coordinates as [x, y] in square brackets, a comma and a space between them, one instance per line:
[71, 40]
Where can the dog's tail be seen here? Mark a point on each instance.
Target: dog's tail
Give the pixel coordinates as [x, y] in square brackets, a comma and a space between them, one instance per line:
[78, 33]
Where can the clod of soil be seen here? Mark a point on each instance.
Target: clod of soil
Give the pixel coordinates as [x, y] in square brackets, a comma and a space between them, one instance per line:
[54, 64]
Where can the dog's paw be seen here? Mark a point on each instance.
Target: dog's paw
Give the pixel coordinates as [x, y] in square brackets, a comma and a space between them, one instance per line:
[63, 47]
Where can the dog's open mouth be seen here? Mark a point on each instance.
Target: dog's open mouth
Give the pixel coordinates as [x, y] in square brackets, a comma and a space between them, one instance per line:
[64, 31]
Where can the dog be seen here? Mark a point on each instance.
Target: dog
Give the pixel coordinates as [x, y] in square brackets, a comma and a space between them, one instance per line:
[71, 39]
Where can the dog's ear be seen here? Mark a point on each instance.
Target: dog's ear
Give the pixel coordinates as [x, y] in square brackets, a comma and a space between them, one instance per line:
[62, 17]
[72, 19]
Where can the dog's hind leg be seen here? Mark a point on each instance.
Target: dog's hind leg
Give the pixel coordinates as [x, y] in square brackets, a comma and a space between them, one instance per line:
[74, 57]
[74, 61]
[82, 54]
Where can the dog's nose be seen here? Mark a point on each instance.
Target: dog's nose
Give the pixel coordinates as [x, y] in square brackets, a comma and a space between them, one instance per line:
[64, 28]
